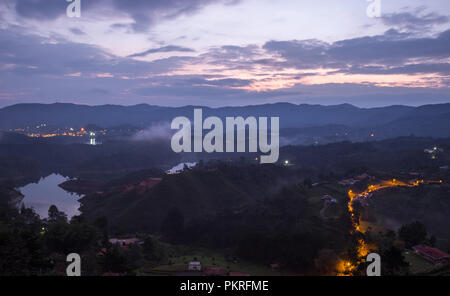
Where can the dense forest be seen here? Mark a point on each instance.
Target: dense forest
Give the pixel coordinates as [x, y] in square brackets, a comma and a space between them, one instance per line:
[261, 214]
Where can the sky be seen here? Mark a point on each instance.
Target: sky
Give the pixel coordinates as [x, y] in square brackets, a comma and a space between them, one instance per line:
[225, 52]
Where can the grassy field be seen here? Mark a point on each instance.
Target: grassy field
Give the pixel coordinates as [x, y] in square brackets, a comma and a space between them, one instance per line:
[417, 264]
[316, 203]
[209, 258]
[375, 228]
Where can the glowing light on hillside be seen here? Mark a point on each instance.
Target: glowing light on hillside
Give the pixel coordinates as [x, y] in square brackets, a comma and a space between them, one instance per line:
[346, 267]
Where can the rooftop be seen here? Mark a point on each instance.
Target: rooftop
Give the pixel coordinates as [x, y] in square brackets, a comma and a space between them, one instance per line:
[432, 252]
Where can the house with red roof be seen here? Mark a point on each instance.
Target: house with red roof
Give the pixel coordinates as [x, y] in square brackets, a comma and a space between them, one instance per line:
[431, 254]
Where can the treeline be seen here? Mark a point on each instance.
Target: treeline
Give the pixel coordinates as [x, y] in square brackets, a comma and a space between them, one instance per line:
[115, 158]
[122, 157]
[428, 203]
[394, 155]
[284, 229]
[206, 190]
[261, 214]
[30, 245]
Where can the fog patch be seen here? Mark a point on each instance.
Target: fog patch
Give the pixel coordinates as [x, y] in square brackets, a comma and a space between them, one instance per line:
[155, 132]
[181, 167]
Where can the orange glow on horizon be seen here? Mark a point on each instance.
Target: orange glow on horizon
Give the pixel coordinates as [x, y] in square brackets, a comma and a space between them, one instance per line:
[267, 78]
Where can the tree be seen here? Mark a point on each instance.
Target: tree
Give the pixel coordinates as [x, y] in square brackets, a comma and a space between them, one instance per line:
[358, 210]
[55, 237]
[21, 250]
[326, 262]
[64, 238]
[115, 261]
[173, 226]
[432, 241]
[393, 261]
[54, 215]
[153, 249]
[81, 237]
[8, 183]
[413, 234]
[30, 217]
[102, 224]
[307, 183]
[134, 256]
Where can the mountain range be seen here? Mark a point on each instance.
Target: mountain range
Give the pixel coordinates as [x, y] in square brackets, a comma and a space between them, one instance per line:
[390, 121]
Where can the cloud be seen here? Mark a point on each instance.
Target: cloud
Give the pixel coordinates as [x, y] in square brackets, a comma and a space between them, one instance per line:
[233, 52]
[147, 12]
[77, 31]
[40, 9]
[143, 12]
[159, 131]
[365, 95]
[168, 48]
[34, 55]
[384, 49]
[418, 68]
[46, 69]
[407, 21]
[302, 53]
[391, 48]
[201, 80]
[100, 91]
[229, 82]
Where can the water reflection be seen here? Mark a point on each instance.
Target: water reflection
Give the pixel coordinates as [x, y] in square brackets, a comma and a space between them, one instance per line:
[46, 192]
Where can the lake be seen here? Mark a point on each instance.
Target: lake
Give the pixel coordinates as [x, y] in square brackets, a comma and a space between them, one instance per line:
[40, 196]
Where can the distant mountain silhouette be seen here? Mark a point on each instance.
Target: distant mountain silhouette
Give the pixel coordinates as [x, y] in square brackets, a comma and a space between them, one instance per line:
[427, 120]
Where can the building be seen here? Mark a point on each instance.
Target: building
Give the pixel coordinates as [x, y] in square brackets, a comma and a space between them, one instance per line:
[364, 176]
[125, 242]
[329, 199]
[433, 255]
[274, 266]
[347, 182]
[414, 173]
[102, 252]
[195, 266]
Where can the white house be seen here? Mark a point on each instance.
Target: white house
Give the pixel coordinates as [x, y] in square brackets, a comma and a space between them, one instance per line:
[195, 266]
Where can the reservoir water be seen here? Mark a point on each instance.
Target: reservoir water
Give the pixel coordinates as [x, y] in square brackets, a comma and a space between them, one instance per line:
[46, 192]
